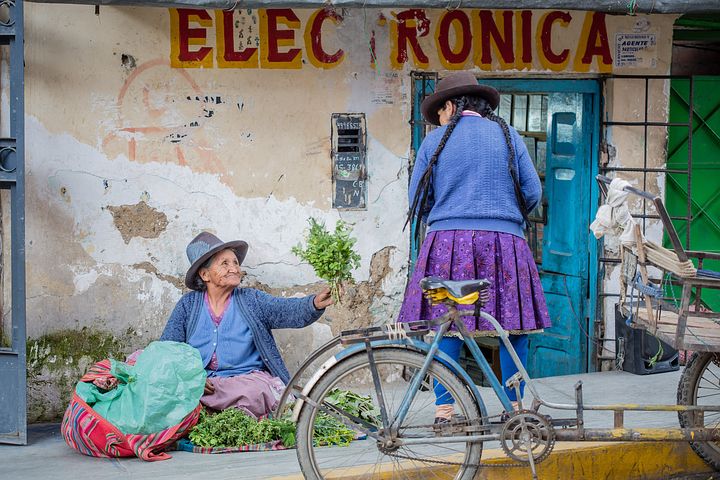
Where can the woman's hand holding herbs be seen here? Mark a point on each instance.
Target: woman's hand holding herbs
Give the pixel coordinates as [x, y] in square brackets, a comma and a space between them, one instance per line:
[323, 299]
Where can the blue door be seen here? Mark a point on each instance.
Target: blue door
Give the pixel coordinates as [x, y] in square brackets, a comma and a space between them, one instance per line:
[558, 121]
[562, 349]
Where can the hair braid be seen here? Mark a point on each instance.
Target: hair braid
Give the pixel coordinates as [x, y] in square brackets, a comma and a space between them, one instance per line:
[490, 115]
[418, 206]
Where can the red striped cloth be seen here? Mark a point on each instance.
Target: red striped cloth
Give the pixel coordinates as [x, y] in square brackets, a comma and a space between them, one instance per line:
[90, 434]
[186, 445]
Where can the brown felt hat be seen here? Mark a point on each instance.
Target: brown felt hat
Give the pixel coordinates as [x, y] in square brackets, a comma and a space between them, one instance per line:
[204, 246]
[456, 85]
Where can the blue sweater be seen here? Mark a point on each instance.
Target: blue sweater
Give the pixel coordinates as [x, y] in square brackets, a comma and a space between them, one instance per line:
[261, 311]
[232, 341]
[471, 186]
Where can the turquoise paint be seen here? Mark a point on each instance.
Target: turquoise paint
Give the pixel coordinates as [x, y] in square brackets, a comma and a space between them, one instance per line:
[418, 134]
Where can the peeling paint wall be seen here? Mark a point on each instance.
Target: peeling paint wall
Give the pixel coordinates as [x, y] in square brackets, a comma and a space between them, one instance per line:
[128, 158]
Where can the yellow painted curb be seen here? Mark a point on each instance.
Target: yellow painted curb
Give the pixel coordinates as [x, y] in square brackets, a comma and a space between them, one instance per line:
[606, 460]
[578, 461]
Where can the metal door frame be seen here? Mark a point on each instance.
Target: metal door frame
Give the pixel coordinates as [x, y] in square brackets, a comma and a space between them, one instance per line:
[13, 396]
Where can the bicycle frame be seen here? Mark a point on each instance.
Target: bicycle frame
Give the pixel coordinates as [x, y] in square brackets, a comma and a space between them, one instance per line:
[369, 339]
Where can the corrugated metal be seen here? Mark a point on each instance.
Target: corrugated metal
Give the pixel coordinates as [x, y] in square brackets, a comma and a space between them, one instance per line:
[609, 6]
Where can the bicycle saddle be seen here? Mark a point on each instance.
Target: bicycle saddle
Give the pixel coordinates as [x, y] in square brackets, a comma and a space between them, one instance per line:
[456, 288]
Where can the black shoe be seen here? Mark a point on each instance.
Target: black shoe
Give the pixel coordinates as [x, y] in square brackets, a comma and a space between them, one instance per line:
[455, 418]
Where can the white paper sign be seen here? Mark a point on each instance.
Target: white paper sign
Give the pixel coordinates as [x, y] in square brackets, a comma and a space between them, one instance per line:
[635, 50]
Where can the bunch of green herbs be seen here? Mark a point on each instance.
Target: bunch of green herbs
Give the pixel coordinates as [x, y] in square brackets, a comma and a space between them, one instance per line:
[234, 428]
[330, 431]
[330, 254]
[360, 406]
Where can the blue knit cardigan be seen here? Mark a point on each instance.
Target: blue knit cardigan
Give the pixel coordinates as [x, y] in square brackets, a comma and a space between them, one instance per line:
[263, 313]
[471, 185]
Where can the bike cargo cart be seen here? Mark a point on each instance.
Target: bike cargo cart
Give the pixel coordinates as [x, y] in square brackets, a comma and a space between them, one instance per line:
[395, 367]
[661, 293]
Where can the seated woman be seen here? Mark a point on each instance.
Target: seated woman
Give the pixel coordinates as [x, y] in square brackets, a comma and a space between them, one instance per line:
[231, 327]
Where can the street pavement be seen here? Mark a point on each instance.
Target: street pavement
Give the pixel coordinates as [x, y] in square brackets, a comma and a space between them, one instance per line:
[47, 457]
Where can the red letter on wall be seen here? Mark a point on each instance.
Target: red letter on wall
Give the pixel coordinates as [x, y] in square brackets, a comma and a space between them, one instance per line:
[490, 33]
[548, 58]
[272, 38]
[596, 44]
[410, 25]
[182, 37]
[228, 55]
[454, 59]
[313, 40]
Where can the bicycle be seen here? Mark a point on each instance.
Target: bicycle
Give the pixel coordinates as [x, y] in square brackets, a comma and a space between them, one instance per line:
[402, 440]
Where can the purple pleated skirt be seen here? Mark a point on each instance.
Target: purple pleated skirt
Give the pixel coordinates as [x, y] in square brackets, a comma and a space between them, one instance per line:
[516, 296]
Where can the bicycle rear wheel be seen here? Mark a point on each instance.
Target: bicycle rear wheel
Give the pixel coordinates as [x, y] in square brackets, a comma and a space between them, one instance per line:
[700, 385]
[366, 458]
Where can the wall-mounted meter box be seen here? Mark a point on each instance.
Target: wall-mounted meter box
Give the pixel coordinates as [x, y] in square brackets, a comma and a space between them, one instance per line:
[349, 161]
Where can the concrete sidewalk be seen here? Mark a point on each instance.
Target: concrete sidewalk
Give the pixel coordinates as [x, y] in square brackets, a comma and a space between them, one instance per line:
[47, 456]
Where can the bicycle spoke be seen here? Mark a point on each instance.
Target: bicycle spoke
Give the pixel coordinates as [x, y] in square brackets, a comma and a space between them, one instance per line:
[716, 377]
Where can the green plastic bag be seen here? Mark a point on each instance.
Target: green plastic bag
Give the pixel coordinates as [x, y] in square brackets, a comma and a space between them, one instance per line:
[163, 386]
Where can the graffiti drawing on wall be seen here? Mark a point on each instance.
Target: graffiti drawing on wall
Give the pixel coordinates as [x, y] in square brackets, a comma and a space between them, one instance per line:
[162, 115]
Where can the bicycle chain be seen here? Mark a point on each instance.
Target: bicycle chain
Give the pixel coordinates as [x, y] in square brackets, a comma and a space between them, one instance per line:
[487, 465]
[442, 462]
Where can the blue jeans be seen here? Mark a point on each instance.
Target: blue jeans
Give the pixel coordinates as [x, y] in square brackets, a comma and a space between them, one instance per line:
[452, 347]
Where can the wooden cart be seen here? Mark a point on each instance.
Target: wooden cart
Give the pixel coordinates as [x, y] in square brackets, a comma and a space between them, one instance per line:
[651, 275]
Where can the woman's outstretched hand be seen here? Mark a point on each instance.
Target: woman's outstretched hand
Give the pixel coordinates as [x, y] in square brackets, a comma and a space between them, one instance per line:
[323, 299]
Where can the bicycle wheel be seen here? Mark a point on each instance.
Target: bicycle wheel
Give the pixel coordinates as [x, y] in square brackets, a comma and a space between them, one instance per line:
[367, 458]
[699, 385]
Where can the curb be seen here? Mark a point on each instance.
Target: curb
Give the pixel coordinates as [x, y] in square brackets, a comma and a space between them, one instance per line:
[606, 460]
[581, 461]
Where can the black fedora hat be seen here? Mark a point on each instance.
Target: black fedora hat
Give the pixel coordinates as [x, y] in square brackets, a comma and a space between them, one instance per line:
[456, 85]
[204, 246]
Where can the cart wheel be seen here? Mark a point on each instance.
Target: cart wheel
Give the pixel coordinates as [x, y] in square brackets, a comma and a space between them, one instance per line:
[700, 385]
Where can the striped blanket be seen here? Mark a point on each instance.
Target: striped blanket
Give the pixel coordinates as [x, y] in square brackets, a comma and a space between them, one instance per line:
[186, 445]
[90, 434]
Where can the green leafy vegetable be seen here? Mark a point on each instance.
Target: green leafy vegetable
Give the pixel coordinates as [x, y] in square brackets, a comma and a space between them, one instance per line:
[234, 428]
[330, 254]
[360, 406]
[329, 431]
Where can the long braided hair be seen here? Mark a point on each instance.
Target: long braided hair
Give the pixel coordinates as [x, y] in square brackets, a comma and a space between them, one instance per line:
[418, 207]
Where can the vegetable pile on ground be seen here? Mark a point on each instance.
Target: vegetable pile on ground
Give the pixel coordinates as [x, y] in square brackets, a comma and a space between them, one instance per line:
[330, 254]
[234, 428]
[329, 431]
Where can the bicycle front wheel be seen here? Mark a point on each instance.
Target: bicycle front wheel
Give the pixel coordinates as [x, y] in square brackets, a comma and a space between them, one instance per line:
[365, 457]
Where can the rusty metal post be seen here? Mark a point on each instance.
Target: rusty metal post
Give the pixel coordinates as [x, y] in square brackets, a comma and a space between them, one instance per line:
[579, 410]
[619, 419]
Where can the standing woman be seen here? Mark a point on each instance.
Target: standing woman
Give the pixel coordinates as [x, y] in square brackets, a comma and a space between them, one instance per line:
[474, 183]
